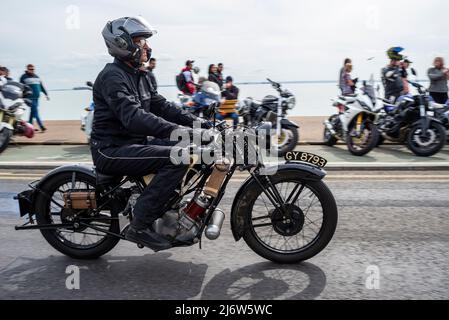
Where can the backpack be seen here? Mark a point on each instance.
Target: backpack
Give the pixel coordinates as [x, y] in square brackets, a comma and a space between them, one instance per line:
[181, 82]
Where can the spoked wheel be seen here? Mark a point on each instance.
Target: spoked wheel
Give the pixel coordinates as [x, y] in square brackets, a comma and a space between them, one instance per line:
[361, 143]
[428, 144]
[82, 236]
[296, 230]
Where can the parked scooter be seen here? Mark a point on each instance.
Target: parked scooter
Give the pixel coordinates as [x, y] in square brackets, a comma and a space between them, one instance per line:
[354, 122]
[87, 118]
[12, 109]
[273, 109]
[407, 121]
[440, 112]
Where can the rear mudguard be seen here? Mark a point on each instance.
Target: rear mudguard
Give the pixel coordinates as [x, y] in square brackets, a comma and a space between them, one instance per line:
[27, 199]
[288, 123]
[240, 205]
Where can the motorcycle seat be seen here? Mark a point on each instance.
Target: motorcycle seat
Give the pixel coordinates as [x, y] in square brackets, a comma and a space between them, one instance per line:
[105, 179]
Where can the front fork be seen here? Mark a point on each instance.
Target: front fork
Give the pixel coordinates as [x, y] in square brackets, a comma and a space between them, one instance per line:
[359, 123]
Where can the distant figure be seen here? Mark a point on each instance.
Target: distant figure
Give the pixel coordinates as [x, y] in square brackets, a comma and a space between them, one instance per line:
[404, 75]
[151, 76]
[231, 96]
[4, 72]
[214, 76]
[439, 76]
[189, 87]
[342, 73]
[391, 75]
[220, 72]
[32, 80]
[348, 85]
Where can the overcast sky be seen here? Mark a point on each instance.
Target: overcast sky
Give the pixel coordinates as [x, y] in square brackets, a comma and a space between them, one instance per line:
[285, 40]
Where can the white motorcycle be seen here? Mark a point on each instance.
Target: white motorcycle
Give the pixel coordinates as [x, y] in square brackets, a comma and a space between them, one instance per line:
[354, 122]
[12, 110]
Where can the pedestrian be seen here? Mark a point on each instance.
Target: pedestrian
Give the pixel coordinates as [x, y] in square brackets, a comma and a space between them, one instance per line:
[31, 79]
[391, 75]
[188, 86]
[151, 76]
[220, 69]
[439, 76]
[231, 95]
[214, 76]
[404, 75]
[342, 73]
[348, 84]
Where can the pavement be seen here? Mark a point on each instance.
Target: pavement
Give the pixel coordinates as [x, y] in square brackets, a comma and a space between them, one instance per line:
[395, 223]
[388, 157]
[68, 132]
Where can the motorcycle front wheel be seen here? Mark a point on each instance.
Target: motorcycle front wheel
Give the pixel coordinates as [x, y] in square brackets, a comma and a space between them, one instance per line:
[295, 230]
[360, 145]
[428, 144]
[5, 137]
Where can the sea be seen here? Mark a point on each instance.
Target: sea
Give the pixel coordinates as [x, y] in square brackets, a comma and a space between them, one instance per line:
[313, 99]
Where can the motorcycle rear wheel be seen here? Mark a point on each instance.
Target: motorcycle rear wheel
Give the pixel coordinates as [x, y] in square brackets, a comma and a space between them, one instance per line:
[63, 240]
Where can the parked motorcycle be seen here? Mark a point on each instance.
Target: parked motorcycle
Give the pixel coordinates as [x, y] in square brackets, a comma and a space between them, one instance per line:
[407, 121]
[87, 118]
[12, 109]
[354, 122]
[273, 109]
[286, 217]
[441, 112]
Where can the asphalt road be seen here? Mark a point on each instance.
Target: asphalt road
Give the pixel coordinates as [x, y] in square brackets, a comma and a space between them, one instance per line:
[397, 222]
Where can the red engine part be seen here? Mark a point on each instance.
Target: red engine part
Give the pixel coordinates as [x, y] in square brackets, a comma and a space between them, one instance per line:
[196, 208]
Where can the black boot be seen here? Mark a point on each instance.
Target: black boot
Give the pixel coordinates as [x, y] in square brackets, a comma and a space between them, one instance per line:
[142, 234]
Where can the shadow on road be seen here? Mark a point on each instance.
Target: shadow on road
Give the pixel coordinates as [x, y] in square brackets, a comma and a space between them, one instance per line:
[156, 277]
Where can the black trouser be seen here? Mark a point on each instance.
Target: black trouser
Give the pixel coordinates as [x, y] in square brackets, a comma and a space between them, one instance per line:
[140, 161]
[439, 97]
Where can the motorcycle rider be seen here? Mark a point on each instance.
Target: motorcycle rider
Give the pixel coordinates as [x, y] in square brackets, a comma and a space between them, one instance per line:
[127, 111]
[392, 75]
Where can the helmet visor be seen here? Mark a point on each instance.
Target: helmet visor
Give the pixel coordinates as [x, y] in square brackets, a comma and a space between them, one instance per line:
[139, 27]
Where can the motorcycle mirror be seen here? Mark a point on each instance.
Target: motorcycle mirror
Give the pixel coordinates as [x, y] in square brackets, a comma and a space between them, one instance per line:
[89, 84]
[414, 72]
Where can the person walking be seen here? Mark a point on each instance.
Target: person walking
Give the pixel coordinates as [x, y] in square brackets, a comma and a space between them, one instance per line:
[31, 79]
[220, 70]
[439, 75]
[404, 75]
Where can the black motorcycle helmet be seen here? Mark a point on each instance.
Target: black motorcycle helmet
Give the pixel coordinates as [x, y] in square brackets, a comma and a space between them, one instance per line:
[118, 35]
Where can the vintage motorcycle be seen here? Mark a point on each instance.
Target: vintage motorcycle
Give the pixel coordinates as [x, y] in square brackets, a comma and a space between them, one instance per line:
[12, 109]
[285, 216]
[273, 109]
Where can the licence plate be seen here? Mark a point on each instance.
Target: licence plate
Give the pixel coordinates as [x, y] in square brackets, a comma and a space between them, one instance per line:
[307, 158]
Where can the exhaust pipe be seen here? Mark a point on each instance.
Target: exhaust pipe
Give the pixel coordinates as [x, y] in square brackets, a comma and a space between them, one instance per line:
[214, 228]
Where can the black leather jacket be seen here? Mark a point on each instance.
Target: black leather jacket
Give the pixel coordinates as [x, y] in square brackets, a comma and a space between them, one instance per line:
[126, 112]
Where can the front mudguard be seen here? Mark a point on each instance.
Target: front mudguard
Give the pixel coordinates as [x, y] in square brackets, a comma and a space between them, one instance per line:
[285, 123]
[424, 123]
[241, 203]
[27, 199]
